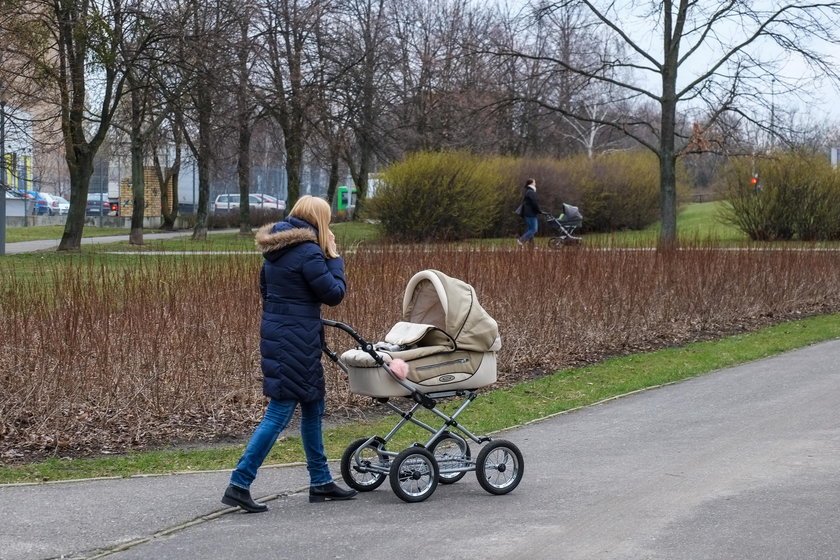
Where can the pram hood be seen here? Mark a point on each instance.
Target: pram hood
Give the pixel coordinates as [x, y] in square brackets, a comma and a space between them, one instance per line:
[433, 298]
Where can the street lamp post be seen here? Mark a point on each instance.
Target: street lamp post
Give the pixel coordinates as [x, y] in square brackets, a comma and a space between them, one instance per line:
[2, 171]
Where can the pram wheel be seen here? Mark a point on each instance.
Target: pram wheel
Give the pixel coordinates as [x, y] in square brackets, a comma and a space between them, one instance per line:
[414, 474]
[499, 467]
[556, 242]
[369, 472]
[451, 451]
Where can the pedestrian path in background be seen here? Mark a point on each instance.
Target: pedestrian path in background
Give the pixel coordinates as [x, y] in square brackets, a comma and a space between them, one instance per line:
[47, 244]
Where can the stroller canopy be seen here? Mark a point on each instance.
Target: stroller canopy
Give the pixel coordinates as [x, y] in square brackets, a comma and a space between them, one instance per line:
[433, 298]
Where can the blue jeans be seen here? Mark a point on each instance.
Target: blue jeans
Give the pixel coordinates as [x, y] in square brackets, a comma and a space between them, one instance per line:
[277, 417]
[533, 225]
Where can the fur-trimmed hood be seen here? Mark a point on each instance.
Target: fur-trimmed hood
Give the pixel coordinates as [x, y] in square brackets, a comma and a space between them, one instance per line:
[275, 237]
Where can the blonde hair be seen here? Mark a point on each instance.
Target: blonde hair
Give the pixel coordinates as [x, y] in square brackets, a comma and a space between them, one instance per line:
[317, 212]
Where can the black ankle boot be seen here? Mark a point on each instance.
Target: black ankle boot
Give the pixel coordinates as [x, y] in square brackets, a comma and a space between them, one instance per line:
[330, 491]
[236, 496]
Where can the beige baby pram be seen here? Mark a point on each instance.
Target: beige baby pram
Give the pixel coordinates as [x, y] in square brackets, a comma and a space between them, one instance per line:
[449, 343]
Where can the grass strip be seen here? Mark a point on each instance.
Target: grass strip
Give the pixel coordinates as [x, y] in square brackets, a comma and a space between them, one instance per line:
[40, 233]
[491, 412]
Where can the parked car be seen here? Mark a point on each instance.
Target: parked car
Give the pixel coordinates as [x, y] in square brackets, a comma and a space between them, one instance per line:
[272, 202]
[63, 205]
[99, 205]
[230, 202]
[38, 204]
[52, 203]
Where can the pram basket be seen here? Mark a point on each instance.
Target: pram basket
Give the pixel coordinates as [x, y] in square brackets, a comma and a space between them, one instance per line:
[564, 226]
[448, 342]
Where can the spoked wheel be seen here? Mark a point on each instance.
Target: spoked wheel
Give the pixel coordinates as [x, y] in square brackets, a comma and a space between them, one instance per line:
[414, 474]
[358, 475]
[555, 242]
[451, 451]
[499, 467]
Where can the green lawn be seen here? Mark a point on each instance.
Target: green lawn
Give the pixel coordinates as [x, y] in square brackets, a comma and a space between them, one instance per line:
[697, 222]
[38, 233]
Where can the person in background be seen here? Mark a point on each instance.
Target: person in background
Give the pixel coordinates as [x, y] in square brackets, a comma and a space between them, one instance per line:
[301, 271]
[530, 211]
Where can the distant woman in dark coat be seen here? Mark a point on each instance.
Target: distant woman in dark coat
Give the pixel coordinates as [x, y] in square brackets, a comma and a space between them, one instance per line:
[301, 271]
[530, 211]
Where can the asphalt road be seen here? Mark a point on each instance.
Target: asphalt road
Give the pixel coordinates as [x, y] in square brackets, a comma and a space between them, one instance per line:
[743, 463]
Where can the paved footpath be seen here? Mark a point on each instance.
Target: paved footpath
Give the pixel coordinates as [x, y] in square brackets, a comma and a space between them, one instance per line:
[47, 244]
[743, 463]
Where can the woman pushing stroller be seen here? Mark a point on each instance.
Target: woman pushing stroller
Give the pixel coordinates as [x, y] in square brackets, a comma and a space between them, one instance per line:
[301, 271]
[530, 209]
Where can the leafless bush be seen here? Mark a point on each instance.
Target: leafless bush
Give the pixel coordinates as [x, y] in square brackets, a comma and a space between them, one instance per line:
[102, 358]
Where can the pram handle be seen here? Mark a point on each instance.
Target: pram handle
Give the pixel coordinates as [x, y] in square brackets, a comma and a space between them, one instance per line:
[364, 344]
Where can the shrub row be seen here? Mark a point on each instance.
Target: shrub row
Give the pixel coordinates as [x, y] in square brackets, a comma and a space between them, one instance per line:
[456, 195]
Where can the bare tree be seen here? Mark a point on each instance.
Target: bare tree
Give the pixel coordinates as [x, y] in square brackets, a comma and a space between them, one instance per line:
[142, 49]
[72, 48]
[246, 111]
[287, 75]
[205, 28]
[364, 28]
[168, 141]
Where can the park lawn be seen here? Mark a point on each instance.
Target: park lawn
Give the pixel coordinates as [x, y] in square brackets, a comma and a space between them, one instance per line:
[697, 223]
[38, 233]
[347, 234]
[492, 412]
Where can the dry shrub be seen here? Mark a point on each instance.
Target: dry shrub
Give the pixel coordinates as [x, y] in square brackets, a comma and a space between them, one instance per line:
[797, 197]
[111, 358]
[433, 196]
[439, 196]
[256, 216]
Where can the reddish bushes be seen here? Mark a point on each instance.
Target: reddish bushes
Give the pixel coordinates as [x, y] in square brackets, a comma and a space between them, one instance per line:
[167, 350]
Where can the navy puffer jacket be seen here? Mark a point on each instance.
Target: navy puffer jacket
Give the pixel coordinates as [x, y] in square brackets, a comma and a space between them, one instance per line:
[530, 205]
[296, 278]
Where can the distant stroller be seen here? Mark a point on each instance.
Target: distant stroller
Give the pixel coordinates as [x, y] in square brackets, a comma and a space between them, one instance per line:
[564, 226]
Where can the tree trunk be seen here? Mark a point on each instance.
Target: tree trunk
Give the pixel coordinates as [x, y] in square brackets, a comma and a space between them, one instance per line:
[243, 169]
[667, 153]
[294, 163]
[138, 193]
[80, 173]
[332, 185]
[168, 200]
[200, 229]
[202, 155]
[138, 179]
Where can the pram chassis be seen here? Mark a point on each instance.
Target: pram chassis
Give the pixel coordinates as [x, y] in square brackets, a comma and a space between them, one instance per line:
[565, 230]
[444, 458]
